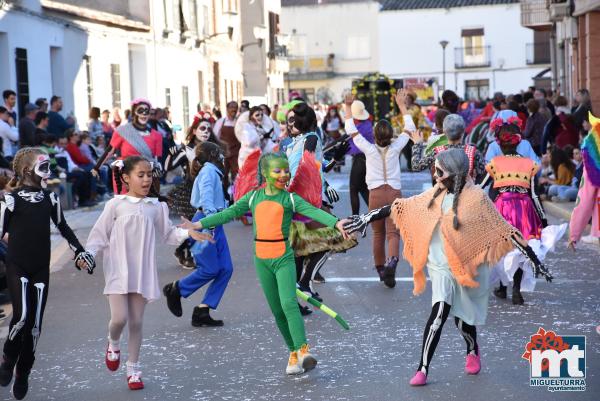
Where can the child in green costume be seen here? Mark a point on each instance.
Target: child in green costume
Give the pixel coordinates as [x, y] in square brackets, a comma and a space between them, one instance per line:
[272, 209]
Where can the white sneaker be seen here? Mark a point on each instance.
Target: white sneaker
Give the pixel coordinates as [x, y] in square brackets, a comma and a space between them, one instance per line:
[589, 239]
[305, 359]
[293, 366]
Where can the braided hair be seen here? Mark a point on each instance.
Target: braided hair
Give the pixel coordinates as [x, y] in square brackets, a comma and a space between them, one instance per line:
[456, 162]
[263, 164]
[207, 152]
[23, 159]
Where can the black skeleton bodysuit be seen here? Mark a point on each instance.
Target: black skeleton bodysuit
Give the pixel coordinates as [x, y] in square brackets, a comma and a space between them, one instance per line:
[25, 215]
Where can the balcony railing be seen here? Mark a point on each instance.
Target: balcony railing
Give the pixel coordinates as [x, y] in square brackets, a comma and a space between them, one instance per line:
[538, 53]
[472, 57]
[311, 67]
[534, 13]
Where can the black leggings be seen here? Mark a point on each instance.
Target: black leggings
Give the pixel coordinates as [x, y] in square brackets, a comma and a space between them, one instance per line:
[308, 266]
[433, 332]
[358, 183]
[28, 292]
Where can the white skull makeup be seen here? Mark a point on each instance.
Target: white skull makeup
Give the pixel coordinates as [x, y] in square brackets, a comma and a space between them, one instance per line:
[203, 131]
[141, 115]
[42, 168]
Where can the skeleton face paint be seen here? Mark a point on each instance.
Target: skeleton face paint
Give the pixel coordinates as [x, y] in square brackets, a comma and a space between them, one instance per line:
[41, 170]
[277, 174]
[141, 115]
[443, 177]
[203, 131]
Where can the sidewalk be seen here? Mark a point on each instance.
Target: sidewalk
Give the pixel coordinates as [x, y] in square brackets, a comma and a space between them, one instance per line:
[561, 210]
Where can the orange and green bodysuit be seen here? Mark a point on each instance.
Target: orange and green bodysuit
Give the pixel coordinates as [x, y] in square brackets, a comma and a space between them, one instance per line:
[274, 257]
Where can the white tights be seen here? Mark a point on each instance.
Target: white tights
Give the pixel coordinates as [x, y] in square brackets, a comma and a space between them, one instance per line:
[127, 309]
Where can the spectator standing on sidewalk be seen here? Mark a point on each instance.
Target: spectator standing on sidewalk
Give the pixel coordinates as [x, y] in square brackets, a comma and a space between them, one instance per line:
[58, 124]
[95, 127]
[27, 126]
[10, 101]
[41, 124]
[8, 133]
[534, 127]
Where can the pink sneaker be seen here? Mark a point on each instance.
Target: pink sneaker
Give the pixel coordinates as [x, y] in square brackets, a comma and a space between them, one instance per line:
[473, 364]
[419, 379]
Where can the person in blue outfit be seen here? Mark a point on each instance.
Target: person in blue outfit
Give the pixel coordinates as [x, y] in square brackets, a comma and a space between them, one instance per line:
[524, 148]
[213, 260]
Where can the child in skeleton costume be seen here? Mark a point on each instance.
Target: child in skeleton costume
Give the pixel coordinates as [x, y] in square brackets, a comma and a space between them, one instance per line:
[454, 229]
[126, 232]
[213, 261]
[312, 243]
[517, 202]
[272, 210]
[135, 139]
[179, 197]
[25, 214]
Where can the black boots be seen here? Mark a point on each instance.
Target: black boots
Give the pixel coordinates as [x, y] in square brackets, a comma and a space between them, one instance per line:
[6, 371]
[304, 310]
[21, 385]
[517, 298]
[500, 292]
[389, 272]
[201, 317]
[380, 271]
[171, 291]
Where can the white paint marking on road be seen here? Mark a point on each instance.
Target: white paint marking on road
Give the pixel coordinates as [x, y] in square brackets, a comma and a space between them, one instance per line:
[362, 279]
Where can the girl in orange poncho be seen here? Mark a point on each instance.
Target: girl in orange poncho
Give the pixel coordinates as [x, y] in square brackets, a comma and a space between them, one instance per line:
[455, 230]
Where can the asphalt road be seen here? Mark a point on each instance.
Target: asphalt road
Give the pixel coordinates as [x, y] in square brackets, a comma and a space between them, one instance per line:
[246, 359]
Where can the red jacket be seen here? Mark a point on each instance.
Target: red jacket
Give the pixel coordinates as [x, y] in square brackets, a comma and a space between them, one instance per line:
[79, 158]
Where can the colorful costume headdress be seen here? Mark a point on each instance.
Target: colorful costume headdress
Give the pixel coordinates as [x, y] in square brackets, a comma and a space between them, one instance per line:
[591, 151]
[505, 118]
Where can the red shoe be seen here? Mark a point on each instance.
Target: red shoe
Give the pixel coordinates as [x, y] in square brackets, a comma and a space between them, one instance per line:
[135, 382]
[113, 359]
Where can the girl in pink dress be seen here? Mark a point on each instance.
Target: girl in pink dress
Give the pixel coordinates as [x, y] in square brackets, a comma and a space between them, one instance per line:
[126, 231]
[135, 139]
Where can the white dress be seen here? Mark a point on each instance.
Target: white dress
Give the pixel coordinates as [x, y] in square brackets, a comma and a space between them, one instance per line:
[127, 232]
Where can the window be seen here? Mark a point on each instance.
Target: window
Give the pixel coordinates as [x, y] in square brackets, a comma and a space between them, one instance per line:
[193, 16]
[214, 16]
[185, 98]
[115, 80]
[22, 79]
[168, 97]
[229, 6]
[473, 42]
[477, 89]
[200, 87]
[226, 87]
[358, 47]
[273, 30]
[88, 80]
[205, 23]
[166, 14]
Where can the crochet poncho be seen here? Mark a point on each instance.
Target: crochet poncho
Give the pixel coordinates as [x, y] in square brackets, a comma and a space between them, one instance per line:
[482, 237]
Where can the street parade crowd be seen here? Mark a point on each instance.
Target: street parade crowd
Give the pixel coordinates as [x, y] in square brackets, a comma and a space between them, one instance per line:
[478, 230]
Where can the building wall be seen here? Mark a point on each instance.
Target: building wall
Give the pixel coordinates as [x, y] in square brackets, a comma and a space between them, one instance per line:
[150, 62]
[347, 30]
[409, 45]
[589, 56]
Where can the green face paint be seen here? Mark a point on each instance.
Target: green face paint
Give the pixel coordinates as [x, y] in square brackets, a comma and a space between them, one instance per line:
[277, 175]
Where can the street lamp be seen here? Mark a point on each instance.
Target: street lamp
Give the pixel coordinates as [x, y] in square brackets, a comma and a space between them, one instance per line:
[444, 43]
[260, 34]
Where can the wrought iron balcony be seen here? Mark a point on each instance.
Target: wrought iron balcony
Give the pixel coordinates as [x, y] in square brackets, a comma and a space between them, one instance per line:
[535, 13]
[538, 53]
[472, 57]
[311, 67]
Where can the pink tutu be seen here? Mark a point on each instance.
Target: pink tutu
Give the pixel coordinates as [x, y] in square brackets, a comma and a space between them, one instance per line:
[518, 210]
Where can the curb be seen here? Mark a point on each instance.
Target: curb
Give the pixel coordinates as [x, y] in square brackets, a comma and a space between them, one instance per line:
[557, 211]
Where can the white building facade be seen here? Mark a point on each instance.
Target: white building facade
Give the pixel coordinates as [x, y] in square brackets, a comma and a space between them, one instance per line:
[487, 50]
[176, 53]
[331, 43]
